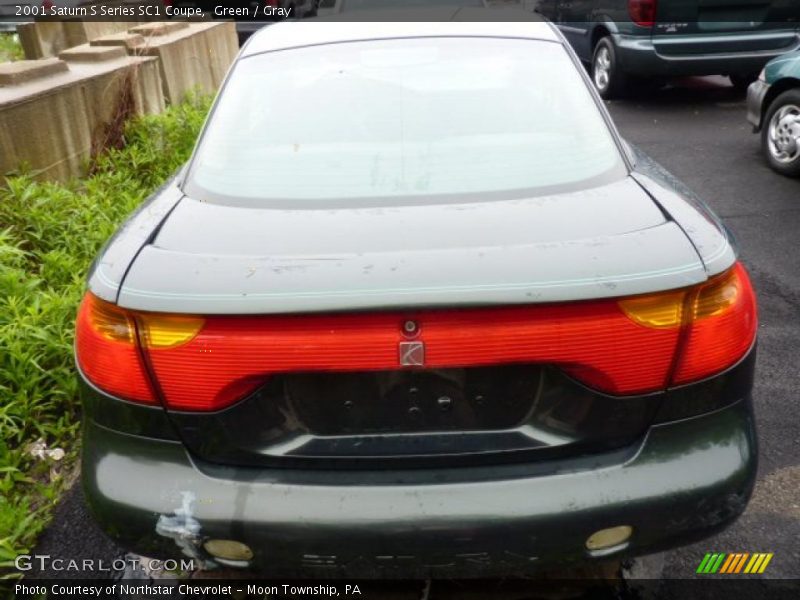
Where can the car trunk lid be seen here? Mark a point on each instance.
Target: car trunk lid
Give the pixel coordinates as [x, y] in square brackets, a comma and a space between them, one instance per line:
[214, 259]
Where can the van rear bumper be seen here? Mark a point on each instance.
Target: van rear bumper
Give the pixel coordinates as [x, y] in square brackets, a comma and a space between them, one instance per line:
[700, 55]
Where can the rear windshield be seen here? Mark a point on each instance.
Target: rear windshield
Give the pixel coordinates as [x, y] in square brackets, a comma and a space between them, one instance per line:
[414, 119]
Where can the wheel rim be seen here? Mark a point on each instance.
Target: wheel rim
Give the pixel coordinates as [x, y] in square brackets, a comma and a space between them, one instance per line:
[602, 68]
[784, 134]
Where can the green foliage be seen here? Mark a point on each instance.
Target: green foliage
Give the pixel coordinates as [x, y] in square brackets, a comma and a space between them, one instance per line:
[10, 48]
[49, 235]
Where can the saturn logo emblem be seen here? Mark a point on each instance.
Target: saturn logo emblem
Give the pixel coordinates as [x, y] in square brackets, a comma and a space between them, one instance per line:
[412, 354]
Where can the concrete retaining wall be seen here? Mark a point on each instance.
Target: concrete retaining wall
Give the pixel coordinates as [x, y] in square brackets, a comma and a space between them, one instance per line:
[44, 39]
[191, 56]
[51, 118]
[54, 112]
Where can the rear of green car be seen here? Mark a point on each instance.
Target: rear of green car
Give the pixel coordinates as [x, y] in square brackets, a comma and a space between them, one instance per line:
[651, 39]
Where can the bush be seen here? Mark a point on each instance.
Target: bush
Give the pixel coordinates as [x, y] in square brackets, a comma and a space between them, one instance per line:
[49, 235]
[10, 48]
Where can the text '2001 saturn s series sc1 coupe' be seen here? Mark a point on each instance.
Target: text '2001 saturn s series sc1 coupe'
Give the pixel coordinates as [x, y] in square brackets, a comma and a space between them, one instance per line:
[446, 313]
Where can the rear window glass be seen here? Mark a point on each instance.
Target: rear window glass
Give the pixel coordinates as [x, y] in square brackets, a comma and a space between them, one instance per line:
[417, 119]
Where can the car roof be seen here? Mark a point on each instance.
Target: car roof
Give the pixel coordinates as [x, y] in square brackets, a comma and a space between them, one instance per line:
[392, 24]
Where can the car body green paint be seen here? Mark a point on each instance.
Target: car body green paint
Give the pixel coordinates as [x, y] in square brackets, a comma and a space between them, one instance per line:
[779, 75]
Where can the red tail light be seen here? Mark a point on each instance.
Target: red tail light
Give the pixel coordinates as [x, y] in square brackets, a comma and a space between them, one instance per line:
[723, 326]
[643, 12]
[622, 347]
[271, 3]
[108, 353]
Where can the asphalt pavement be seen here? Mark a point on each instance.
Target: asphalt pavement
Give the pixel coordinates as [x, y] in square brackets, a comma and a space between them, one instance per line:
[696, 128]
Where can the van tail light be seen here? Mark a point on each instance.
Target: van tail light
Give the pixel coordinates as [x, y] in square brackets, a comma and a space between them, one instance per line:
[643, 12]
[621, 347]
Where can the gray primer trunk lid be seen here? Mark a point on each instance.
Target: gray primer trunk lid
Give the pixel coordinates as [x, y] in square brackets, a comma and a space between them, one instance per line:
[604, 242]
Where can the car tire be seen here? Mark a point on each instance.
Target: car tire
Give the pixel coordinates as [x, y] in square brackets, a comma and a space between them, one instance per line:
[607, 76]
[780, 135]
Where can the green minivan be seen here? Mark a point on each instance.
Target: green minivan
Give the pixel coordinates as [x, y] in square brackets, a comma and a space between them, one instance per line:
[625, 40]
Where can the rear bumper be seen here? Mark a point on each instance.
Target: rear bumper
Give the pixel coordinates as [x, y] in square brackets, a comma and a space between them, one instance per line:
[639, 56]
[684, 481]
[755, 103]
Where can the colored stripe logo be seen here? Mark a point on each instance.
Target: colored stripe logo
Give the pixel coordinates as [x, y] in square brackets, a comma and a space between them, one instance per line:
[735, 563]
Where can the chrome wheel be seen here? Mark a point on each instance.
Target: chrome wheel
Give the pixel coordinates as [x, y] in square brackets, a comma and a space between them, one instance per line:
[784, 134]
[602, 68]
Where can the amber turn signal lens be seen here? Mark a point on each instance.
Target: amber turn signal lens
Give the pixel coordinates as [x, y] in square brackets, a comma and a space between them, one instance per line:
[711, 299]
[655, 310]
[168, 331]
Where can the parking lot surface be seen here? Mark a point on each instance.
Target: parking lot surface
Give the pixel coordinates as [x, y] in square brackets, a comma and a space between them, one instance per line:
[696, 128]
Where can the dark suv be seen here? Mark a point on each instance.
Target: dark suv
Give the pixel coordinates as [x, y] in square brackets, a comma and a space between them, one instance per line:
[628, 39]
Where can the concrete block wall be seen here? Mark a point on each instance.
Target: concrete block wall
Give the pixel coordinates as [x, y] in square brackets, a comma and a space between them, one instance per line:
[44, 39]
[55, 111]
[191, 56]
